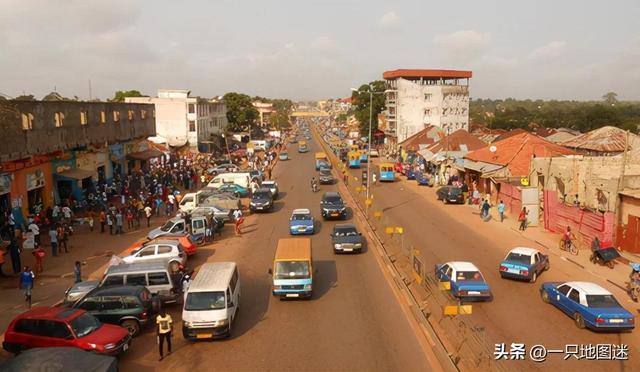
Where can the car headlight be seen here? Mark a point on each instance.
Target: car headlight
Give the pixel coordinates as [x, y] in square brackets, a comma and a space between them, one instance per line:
[222, 322]
[307, 287]
[338, 246]
[277, 287]
[187, 324]
[358, 245]
[325, 210]
[109, 346]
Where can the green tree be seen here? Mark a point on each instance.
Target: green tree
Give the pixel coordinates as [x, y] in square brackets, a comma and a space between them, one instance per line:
[240, 111]
[280, 120]
[120, 95]
[361, 100]
[610, 98]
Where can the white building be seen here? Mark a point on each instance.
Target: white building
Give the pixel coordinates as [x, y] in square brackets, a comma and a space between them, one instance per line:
[182, 119]
[264, 110]
[417, 98]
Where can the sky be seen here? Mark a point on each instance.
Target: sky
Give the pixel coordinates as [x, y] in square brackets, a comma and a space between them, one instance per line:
[311, 49]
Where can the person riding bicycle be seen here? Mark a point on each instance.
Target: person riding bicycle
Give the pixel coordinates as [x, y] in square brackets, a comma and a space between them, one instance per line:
[567, 238]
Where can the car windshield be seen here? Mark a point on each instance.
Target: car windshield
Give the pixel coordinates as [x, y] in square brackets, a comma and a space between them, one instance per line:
[325, 172]
[262, 195]
[200, 301]
[346, 231]
[455, 191]
[292, 270]
[333, 200]
[84, 325]
[602, 301]
[167, 226]
[300, 217]
[522, 259]
[462, 276]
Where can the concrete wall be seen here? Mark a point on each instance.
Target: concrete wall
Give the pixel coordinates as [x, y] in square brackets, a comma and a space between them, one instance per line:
[45, 137]
[629, 206]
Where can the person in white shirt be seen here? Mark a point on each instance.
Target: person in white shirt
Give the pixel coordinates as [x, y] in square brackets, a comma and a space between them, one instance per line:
[35, 230]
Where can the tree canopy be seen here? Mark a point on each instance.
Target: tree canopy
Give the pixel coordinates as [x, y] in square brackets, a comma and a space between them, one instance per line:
[280, 120]
[361, 100]
[120, 95]
[240, 111]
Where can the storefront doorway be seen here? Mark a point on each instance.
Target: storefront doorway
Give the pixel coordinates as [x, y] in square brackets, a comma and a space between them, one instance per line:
[65, 189]
[34, 199]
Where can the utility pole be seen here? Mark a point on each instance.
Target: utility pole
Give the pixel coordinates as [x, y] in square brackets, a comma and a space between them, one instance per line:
[369, 139]
[621, 179]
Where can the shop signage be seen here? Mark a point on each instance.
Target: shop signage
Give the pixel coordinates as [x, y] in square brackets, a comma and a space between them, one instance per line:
[35, 180]
[5, 184]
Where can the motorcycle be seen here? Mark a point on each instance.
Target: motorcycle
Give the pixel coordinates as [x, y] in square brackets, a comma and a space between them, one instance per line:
[604, 257]
[314, 187]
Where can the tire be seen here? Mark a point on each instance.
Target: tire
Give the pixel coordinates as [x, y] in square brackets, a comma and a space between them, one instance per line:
[132, 326]
[534, 277]
[573, 249]
[545, 296]
[579, 320]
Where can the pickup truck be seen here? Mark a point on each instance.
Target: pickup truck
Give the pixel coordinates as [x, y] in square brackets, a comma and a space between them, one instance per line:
[208, 198]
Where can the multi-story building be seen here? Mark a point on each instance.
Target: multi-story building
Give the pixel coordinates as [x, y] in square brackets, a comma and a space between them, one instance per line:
[57, 150]
[418, 98]
[182, 119]
[264, 110]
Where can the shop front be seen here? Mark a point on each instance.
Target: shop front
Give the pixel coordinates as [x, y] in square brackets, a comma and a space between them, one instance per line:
[70, 182]
[5, 195]
[26, 186]
[117, 161]
[139, 156]
[95, 161]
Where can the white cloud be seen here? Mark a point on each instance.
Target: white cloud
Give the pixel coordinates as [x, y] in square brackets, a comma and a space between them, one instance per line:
[499, 62]
[323, 42]
[551, 50]
[465, 44]
[389, 19]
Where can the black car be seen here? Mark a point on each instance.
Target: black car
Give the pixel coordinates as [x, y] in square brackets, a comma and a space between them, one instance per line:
[346, 238]
[332, 206]
[261, 200]
[450, 194]
[128, 306]
[326, 178]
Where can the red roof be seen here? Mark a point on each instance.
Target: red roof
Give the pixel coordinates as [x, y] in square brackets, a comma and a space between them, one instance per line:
[425, 137]
[421, 73]
[515, 152]
[453, 141]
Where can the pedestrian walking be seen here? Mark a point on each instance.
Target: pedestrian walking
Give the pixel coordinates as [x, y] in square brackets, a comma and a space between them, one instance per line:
[501, 208]
[129, 219]
[35, 230]
[61, 238]
[239, 219]
[345, 177]
[374, 179]
[15, 251]
[77, 271]
[90, 220]
[147, 213]
[38, 254]
[119, 222]
[26, 283]
[110, 222]
[484, 211]
[522, 218]
[164, 328]
[103, 220]
[53, 238]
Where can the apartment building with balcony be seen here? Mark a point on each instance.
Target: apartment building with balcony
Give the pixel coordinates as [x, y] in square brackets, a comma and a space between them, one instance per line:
[417, 98]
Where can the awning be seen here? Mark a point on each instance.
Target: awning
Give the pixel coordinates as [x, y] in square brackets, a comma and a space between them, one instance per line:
[78, 174]
[478, 166]
[145, 155]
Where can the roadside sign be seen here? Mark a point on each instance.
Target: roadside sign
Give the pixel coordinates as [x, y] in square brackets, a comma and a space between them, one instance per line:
[377, 214]
[389, 230]
[457, 310]
[399, 230]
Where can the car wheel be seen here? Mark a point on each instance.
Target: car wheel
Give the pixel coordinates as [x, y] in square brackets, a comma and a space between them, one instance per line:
[534, 277]
[546, 267]
[579, 320]
[545, 296]
[132, 326]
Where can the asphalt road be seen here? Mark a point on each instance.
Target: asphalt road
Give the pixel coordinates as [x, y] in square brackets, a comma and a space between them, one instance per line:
[516, 314]
[353, 322]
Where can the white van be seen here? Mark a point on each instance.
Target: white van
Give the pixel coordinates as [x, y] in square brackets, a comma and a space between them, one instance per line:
[211, 302]
[241, 178]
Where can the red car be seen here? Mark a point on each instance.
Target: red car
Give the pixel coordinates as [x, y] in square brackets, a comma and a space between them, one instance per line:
[398, 168]
[61, 326]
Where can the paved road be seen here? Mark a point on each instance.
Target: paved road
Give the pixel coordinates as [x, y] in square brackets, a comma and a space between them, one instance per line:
[354, 322]
[517, 314]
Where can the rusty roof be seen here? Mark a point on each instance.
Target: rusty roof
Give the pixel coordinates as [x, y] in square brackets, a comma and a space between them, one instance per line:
[460, 140]
[605, 139]
[425, 73]
[516, 152]
[425, 137]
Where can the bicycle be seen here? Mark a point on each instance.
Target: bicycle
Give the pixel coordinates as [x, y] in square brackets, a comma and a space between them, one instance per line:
[571, 247]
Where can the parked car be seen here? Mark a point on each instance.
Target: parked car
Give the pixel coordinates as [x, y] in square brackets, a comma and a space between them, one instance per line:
[61, 326]
[60, 359]
[346, 238]
[223, 168]
[590, 305]
[221, 214]
[272, 186]
[524, 263]
[257, 175]
[131, 307]
[332, 206]
[301, 222]
[464, 279]
[79, 290]
[325, 177]
[283, 155]
[160, 250]
[261, 200]
[188, 244]
[450, 194]
[156, 276]
[234, 189]
[177, 226]
[423, 180]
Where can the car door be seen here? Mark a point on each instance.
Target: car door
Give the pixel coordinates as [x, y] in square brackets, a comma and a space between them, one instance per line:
[146, 254]
[53, 333]
[165, 252]
[92, 306]
[178, 228]
[111, 309]
[563, 301]
[198, 226]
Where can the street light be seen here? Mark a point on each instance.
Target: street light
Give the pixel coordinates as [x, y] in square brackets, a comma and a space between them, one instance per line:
[371, 93]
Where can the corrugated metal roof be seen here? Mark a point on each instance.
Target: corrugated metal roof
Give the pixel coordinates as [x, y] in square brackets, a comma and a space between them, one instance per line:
[456, 141]
[560, 137]
[423, 138]
[606, 139]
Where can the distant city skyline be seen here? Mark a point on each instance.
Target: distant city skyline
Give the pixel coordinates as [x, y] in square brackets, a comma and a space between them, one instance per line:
[315, 50]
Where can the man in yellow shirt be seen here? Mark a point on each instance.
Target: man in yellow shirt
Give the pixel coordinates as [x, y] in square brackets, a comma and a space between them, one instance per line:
[164, 327]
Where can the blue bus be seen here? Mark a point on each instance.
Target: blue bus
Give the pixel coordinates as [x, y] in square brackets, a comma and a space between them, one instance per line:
[387, 173]
[353, 158]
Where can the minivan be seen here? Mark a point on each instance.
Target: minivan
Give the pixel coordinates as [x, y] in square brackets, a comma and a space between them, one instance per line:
[155, 276]
[241, 178]
[211, 302]
[292, 269]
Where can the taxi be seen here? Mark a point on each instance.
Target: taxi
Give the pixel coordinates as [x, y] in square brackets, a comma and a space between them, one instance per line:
[524, 264]
[301, 222]
[464, 280]
[187, 243]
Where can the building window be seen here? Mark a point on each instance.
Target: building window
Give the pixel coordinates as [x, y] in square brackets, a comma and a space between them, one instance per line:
[143, 114]
[116, 116]
[130, 114]
[84, 117]
[192, 108]
[59, 119]
[103, 117]
[192, 126]
[27, 121]
[427, 97]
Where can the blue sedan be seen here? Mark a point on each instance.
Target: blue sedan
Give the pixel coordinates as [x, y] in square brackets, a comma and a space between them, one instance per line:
[524, 264]
[234, 189]
[464, 279]
[301, 222]
[590, 305]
